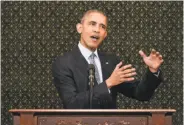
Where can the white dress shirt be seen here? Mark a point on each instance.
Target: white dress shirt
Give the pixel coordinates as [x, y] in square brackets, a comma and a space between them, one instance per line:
[86, 53]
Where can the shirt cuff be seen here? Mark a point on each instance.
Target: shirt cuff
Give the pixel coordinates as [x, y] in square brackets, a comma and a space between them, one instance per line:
[109, 90]
[156, 73]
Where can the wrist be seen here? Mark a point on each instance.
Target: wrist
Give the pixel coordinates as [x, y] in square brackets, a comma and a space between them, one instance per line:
[153, 70]
[108, 83]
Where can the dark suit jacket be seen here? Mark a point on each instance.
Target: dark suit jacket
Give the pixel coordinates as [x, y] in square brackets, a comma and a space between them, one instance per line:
[70, 73]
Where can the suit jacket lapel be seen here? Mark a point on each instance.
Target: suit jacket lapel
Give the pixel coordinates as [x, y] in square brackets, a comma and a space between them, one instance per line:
[104, 65]
[81, 66]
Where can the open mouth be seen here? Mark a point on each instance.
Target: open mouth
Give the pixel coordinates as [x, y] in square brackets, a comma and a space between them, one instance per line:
[95, 38]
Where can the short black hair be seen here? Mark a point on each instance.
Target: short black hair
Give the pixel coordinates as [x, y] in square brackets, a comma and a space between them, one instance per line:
[91, 11]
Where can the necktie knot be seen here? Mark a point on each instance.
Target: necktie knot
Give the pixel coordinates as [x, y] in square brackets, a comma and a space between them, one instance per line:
[92, 56]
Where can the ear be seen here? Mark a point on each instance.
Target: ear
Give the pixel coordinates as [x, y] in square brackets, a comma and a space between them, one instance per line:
[79, 28]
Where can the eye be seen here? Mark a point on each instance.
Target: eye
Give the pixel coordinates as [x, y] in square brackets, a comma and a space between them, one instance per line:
[103, 26]
[93, 23]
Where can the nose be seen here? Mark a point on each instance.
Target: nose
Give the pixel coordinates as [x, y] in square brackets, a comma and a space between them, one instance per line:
[97, 29]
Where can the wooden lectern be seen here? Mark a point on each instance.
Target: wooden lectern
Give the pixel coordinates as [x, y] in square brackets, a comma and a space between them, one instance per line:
[92, 116]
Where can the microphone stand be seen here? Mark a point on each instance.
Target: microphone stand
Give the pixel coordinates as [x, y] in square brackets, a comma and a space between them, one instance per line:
[91, 83]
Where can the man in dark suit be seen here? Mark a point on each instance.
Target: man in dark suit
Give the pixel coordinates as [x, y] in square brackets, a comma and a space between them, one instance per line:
[70, 71]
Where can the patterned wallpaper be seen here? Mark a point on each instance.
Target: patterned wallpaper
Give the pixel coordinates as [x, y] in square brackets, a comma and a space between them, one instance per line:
[34, 33]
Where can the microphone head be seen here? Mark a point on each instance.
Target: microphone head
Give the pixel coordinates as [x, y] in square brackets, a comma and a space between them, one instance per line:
[91, 66]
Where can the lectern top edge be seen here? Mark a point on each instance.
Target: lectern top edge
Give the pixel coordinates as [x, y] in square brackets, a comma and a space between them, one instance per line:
[93, 110]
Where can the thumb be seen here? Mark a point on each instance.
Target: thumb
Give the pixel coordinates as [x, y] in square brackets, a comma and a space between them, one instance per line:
[142, 54]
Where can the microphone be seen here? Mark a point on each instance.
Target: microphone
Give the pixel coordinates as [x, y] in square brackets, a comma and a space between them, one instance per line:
[91, 83]
[91, 74]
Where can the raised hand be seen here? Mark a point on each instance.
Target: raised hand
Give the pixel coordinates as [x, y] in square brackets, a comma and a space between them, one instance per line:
[121, 74]
[153, 61]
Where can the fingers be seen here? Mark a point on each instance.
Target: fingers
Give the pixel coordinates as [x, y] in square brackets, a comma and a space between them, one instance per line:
[128, 79]
[129, 70]
[157, 54]
[142, 53]
[160, 57]
[125, 67]
[153, 51]
[118, 65]
[127, 75]
[121, 74]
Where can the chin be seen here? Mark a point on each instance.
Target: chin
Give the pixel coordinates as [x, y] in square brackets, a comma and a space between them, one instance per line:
[94, 47]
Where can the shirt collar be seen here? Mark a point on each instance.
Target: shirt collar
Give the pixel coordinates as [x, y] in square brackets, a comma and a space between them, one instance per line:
[86, 52]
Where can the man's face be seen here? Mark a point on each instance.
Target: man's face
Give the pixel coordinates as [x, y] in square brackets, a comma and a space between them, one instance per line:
[93, 30]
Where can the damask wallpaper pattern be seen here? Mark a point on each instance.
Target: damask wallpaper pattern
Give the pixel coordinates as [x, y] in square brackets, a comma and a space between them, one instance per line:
[33, 33]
